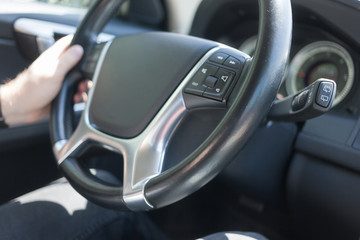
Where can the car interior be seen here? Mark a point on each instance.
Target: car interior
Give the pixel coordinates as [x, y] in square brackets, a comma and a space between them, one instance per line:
[292, 174]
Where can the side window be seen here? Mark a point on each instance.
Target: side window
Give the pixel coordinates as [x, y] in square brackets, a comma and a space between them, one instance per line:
[69, 3]
[147, 12]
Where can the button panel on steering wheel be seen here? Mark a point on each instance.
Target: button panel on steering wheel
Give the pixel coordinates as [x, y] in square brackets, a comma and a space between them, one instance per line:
[215, 77]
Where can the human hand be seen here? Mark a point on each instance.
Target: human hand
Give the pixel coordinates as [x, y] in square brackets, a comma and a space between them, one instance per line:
[81, 94]
[27, 98]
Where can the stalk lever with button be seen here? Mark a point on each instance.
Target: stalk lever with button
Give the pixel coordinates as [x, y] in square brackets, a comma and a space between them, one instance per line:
[312, 101]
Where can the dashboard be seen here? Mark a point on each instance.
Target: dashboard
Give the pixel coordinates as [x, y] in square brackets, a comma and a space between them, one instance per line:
[319, 50]
[325, 45]
[316, 59]
[322, 169]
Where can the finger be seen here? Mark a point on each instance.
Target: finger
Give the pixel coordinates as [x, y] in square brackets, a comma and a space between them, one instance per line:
[58, 48]
[77, 98]
[89, 84]
[80, 97]
[69, 59]
[84, 96]
[84, 85]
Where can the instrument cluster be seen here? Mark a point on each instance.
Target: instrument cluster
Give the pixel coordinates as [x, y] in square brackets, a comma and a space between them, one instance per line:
[318, 59]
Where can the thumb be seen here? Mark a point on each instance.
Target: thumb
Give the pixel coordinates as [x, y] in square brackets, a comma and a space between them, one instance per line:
[69, 58]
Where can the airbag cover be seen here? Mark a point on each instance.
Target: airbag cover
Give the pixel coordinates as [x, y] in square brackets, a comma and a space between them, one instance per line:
[137, 76]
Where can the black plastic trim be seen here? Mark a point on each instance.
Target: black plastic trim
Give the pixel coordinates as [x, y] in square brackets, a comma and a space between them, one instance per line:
[330, 151]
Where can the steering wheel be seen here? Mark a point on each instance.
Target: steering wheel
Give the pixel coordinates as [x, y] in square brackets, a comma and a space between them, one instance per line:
[144, 85]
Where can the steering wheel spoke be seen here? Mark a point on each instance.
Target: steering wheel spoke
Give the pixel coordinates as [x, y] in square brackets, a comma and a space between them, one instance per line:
[143, 155]
[70, 148]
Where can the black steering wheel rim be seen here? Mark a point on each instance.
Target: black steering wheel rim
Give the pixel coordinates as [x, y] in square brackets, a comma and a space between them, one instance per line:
[244, 115]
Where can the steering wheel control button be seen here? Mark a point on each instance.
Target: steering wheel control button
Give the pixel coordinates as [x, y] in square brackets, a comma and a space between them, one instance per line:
[324, 94]
[232, 63]
[215, 77]
[210, 81]
[224, 76]
[299, 101]
[215, 93]
[207, 69]
[219, 57]
[198, 83]
[219, 90]
[195, 86]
